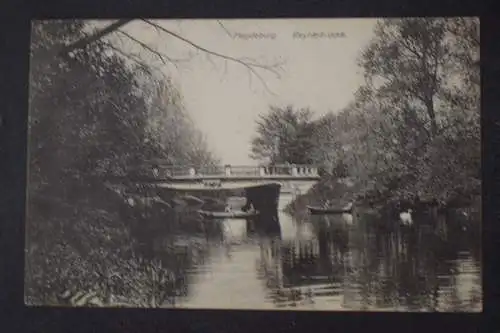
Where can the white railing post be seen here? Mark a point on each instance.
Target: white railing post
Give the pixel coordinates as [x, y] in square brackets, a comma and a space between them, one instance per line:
[236, 171]
[156, 173]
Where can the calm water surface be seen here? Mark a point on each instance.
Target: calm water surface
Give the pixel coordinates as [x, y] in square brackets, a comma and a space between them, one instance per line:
[321, 264]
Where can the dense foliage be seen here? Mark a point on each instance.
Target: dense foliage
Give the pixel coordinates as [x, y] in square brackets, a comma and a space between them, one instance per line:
[283, 135]
[413, 129]
[93, 114]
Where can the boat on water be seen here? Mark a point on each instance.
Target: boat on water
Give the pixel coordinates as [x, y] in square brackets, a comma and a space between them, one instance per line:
[176, 202]
[228, 214]
[133, 200]
[192, 200]
[213, 201]
[329, 210]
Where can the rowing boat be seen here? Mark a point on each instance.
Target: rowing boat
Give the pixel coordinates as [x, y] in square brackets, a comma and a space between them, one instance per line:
[192, 200]
[228, 215]
[328, 211]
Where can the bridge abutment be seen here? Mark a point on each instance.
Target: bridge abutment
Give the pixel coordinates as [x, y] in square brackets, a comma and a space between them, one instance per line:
[290, 190]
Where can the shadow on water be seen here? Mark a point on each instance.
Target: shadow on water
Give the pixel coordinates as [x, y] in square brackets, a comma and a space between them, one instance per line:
[320, 263]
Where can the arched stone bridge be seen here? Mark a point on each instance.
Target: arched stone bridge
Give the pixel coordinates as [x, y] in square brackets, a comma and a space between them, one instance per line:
[292, 180]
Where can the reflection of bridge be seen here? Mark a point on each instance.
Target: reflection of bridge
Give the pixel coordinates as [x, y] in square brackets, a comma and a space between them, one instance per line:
[292, 180]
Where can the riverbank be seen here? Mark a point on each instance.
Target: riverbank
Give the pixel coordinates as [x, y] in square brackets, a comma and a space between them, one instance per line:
[98, 237]
[339, 191]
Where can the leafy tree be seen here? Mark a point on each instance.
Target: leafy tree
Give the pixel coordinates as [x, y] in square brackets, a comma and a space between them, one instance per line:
[407, 60]
[417, 69]
[284, 136]
[184, 143]
[91, 116]
[413, 129]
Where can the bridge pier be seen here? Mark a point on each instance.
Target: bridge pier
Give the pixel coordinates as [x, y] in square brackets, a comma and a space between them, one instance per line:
[284, 200]
[290, 190]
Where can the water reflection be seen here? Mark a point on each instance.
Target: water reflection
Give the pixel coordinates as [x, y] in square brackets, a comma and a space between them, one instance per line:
[321, 264]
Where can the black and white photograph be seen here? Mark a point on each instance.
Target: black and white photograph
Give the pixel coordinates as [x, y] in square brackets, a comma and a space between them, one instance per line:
[255, 164]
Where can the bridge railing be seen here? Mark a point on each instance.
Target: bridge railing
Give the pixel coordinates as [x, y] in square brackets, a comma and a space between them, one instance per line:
[171, 171]
[306, 170]
[278, 170]
[293, 170]
[241, 170]
[237, 170]
[210, 170]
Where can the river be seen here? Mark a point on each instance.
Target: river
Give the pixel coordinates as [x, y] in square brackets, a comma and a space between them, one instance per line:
[322, 265]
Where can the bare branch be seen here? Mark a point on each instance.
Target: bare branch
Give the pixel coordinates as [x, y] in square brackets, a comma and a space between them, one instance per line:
[251, 66]
[225, 68]
[211, 61]
[159, 32]
[114, 27]
[161, 56]
[224, 28]
[130, 56]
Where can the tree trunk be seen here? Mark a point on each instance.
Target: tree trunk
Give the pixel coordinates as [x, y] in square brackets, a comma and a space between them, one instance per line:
[429, 105]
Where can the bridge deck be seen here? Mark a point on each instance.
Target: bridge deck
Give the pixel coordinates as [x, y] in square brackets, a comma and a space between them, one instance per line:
[242, 178]
[221, 186]
[271, 172]
[228, 177]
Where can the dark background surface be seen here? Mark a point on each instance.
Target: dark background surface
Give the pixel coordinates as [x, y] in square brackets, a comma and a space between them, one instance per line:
[14, 56]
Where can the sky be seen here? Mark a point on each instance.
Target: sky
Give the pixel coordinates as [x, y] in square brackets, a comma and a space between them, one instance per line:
[224, 98]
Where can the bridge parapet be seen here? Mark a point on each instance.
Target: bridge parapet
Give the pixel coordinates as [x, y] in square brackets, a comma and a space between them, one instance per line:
[236, 171]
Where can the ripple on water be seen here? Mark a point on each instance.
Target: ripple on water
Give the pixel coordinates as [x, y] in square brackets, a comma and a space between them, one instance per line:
[340, 270]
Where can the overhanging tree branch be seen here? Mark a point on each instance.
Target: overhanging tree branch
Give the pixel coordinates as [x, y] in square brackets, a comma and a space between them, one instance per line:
[251, 66]
[161, 56]
[82, 43]
[220, 55]
[134, 58]
[114, 27]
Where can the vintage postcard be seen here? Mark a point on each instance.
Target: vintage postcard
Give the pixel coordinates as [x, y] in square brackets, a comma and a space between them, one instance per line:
[270, 164]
